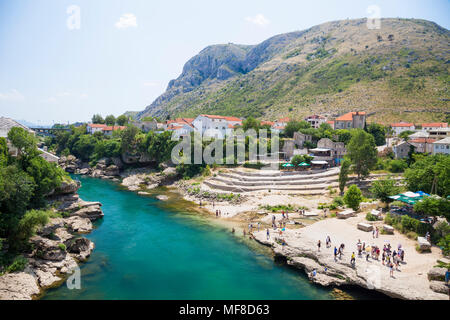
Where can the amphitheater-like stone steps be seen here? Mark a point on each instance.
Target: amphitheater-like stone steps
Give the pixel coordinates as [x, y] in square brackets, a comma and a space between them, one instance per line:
[306, 190]
[224, 179]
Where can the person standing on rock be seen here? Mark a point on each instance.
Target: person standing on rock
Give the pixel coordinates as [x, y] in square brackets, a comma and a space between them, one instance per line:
[352, 260]
[318, 246]
[268, 234]
[335, 253]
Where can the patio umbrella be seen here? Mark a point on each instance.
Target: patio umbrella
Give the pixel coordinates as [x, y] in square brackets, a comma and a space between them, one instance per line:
[287, 165]
[303, 164]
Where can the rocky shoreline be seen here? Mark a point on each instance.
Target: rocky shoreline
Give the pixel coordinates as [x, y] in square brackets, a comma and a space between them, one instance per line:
[300, 251]
[57, 248]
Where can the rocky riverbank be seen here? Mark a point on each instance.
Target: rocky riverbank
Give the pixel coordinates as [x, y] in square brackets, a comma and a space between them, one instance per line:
[57, 248]
[416, 279]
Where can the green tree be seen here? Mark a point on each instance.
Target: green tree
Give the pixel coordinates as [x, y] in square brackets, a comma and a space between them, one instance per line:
[430, 174]
[344, 135]
[16, 191]
[84, 147]
[343, 175]
[25, 143]
[378, 132]
[110, 120]
[98, 119]
[362, 152]
[433, 206]
[353, 197]
[383, 189]
[250, 123]
[47, 177]
[405, 134]
[122, 120]
[3, 152]
[294, 126]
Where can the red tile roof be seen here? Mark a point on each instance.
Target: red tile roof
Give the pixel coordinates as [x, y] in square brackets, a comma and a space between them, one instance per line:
[402, 124]
[270, 123]
[111, 128]
[349, 116]
[436, 125]
[283, 119]
[423, 140]
[96, 125]
[221, 117]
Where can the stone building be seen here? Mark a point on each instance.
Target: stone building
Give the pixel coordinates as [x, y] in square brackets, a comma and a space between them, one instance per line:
[351, 120]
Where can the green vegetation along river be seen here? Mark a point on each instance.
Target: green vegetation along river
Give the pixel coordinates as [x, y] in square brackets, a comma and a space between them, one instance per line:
[150, 249]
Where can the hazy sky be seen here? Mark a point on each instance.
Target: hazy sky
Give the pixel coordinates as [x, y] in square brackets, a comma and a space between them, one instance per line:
[124, 53]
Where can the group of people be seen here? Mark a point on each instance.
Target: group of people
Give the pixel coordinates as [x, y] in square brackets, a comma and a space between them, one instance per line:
[390, 258]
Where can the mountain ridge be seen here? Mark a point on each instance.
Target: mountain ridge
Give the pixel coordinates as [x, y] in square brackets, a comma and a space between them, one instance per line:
[401, 71]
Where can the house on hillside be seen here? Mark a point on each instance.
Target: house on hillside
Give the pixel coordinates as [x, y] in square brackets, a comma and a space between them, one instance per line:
[95, 127]
[7, 124]
[442, 146]
[177, 122]
[215, 126]
[330, 151]
[301, 138]
[180, 130]
[108, 130]
[331, 123]
[315, 120]
[401, 150]
[439, 133]
[351, 120]
[146, 126]
[432, 126]
[422, 145]
[401, 127]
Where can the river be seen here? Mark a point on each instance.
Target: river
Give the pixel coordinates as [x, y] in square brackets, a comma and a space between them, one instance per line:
[150, 249]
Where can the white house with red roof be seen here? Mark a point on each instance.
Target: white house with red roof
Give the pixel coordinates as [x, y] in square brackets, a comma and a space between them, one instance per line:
[95, 127]
[401, 127]
[435, 125]
[180, 130]
[215, 126]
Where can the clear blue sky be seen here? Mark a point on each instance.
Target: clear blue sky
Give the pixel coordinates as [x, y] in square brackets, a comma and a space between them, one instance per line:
[125, 52]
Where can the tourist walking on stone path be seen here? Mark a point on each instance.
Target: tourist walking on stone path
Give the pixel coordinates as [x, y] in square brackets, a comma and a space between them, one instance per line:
[377, 232]
[353, 260]
[268, 234]
[373, 234]
[383, 257]
[335, 253]
[391, 270]
[318, 245]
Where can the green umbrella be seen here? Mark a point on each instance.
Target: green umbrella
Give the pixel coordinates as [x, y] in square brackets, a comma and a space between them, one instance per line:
[287, 165]
[304, 164]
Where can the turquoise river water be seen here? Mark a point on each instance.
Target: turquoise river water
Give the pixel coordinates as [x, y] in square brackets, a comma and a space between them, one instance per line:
[150, 249]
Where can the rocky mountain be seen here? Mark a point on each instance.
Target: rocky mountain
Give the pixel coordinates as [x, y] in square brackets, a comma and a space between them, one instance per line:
[400, 71]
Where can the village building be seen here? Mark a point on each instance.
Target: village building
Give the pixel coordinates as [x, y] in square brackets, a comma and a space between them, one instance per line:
[401, 150]
[419, 135]
[95, 127]
[215, 126]
[108, 130]
[146, 126]
[315, 120]
[7, 124]
[351, 120]
[439, 133]
[177, 122]
[422, 145]
[442, 146]
[401, 127]
[301, 138]
[330, 151]
[331, 123]
[433, 126]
